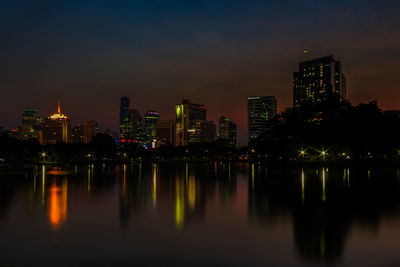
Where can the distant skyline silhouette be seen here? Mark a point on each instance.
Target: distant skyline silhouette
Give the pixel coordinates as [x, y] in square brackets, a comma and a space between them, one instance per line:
[89, 54]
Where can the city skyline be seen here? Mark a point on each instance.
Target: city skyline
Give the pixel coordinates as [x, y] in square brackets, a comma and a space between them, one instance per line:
[230, 48]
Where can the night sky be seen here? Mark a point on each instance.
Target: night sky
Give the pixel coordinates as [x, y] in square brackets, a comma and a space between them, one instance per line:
[214, 52]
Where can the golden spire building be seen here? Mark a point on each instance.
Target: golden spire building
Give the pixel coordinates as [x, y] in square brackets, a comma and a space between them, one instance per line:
[56, 128]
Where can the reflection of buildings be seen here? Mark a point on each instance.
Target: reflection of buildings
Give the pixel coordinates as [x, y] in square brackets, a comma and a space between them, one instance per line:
[57, 203]
[226, 182]
[160, 189]
[319, 202]
[56, 128]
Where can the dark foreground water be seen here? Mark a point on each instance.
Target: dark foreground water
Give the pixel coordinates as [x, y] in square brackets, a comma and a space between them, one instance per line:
[200, 214]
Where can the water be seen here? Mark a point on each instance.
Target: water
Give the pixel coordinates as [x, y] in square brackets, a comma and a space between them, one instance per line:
[200, 214]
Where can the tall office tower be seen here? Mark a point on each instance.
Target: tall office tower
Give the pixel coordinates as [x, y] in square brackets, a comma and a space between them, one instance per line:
[123, 114]
[165, 132]
[150, 122]
[188, 119]
[90, 129]
[317, 80]
[260, 109]
[78, 134]
[56, 128]
[30, 117]
[227, 131]
[133, 127]
[31, 124]
[208, 131]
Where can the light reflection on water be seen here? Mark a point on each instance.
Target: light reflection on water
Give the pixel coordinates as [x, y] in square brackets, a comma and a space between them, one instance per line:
[223, 213]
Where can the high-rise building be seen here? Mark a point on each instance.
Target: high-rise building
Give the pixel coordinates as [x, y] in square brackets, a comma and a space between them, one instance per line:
[90, 129]
[317, 80]
[260, 110]
[150, 124]
[165, 132]
[78, 134]
[188, 119]
[31, 125]
[123, 113]
[227, 131]
[133, 127]
[30, 117]
[208, 131]
[56, 128]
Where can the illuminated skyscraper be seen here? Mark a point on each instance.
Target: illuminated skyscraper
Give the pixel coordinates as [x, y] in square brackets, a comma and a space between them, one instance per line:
[133, 127]
[150, 122]
[31, 124]
[56, 128]
[188, 118]
[260, 109]
[317, 80]
[227, 131]
[123, 113]
[30, 117]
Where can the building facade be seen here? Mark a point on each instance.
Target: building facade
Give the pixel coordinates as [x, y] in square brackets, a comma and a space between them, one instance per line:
[227, 131]
[56, 128]
[165, 132]
[123, 113]
[150, 125]
[317, 80]
[189, 116]
[260, 110]
[31, 125]
[133, 127]
[90, 129]
[78, 134]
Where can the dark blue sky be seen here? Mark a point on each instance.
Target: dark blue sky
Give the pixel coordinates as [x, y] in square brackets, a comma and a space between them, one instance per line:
[215, 52]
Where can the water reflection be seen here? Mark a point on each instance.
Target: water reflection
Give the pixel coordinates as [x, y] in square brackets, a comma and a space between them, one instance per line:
[58, 203]
[322, 206]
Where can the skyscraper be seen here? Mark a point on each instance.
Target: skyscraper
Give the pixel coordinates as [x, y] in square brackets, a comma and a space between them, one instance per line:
[133, 127]
[56, 128]
[31, 124]
[30, 117]
[317, 80]
[78, 134]
[165, 132]
[123, 113]
[90, 129]
[188, 119]
[208, 131]
[150, 122]
[227, 131]
[260, 110]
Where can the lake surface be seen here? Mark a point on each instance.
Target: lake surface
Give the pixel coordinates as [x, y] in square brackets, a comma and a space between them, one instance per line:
[200, 214]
